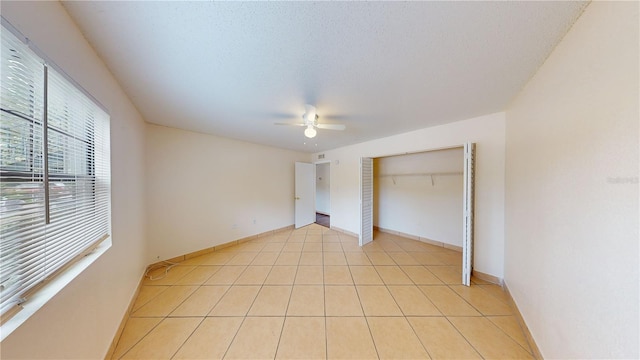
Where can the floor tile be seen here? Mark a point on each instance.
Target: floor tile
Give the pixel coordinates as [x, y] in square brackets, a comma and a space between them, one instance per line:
[329, 238]
[312, 247]
[134, 330]
[484, 302]
[420, 275]
[357, 258]
[250, 246]
[278, 300]
[426, 258]
[257, 338]
[200, 302]
[334, 258]
[281, 275]
[306, 300]
[377, 301]
[348, 247]
[403, 258]
[496, 291]
[393, 275]
[449, 257]
[365, 275]
[253, 275]
[448, 302]
[313, 238]
[199, 275]
[265, 258]
[273, 247]
[311, 258]
[164, 340]
[211, 339]
[243, 258]
[380, 258]
[510, 326]
[288, 258]
[309, 275]
[293, 247]
[166, 302]
[349, 338]
[296, 238]
[332, 247]
[391, 247]
[337, 275]
[271, 301]
[342, 301]
[441, 339]
[227, 275]
[147, 293]
[302, 338]
[488, 339]
[236, 301]
[394, 338]
[448, 274]
[412, 301]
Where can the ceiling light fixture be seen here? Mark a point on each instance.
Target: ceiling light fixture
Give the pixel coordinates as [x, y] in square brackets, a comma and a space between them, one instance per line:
[310, 132]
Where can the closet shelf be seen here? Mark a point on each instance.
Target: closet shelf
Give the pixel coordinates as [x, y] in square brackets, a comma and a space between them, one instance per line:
[431, 175]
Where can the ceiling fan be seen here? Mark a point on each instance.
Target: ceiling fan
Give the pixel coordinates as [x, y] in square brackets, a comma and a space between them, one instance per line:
[310, 120]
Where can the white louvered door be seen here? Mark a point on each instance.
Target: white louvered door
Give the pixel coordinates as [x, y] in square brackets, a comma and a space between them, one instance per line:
[468, 198]
[366, 201]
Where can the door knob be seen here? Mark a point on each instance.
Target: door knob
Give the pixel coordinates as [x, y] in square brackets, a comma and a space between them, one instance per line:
[297, 198]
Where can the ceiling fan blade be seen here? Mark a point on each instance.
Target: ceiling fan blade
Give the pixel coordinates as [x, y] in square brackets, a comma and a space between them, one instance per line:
[331, 126]
[290, 124]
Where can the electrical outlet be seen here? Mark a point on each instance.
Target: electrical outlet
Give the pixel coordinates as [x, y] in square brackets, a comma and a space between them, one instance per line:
[254, 221]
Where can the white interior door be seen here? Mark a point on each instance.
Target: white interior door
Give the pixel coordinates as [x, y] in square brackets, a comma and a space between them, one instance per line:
[305, 189]
[468, 198]
[366, 201]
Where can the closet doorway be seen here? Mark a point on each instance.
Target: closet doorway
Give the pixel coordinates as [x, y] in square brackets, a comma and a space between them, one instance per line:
[426, 195]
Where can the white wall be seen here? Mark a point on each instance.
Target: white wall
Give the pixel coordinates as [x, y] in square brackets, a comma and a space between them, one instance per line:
[487, 131]
[571, 258]
[205, 190]
[323, 185]
[82, 319]
[415, 204]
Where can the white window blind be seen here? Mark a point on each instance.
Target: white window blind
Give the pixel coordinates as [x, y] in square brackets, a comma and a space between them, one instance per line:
[54, 172]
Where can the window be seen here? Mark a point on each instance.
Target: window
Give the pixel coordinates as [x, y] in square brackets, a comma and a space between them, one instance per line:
[54, 172]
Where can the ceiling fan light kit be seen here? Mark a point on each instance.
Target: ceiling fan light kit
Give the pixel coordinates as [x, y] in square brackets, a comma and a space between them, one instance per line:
[310, 132]
[310, 120]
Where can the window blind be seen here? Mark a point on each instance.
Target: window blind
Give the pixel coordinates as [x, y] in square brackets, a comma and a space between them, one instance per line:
[54, 172]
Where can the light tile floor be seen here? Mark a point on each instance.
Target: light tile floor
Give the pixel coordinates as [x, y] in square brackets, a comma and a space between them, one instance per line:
[313, 293]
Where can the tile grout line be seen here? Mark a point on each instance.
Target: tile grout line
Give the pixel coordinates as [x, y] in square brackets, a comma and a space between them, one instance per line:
[373, 340]
[284, 322]
[324, 299]
[188, 337]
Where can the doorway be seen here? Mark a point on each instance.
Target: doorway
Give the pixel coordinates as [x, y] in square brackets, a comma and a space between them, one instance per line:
[323, 194]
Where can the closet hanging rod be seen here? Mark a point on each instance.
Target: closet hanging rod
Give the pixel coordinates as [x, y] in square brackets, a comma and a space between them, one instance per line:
[425, 174]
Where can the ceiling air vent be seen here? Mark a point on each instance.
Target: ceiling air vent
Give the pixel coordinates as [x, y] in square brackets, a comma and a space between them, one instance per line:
[321, 156]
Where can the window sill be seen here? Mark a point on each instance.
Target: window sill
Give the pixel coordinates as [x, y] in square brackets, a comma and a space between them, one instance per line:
[51, 289]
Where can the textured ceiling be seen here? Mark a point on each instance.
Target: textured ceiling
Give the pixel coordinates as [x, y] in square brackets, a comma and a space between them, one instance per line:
[234, 68]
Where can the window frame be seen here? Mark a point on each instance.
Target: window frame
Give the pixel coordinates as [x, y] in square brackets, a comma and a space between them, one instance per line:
[37, 295]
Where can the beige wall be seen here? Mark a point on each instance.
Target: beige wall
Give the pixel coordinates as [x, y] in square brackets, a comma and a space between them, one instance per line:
[205, 190]
[571, 258]
[487, 131]
[81, 320]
